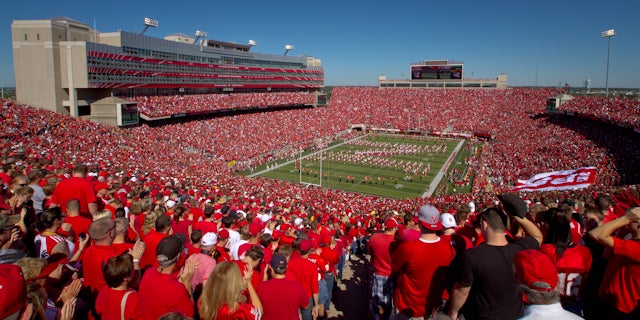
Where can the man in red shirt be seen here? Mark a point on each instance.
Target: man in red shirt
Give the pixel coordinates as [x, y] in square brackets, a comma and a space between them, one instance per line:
[102, 232]
[281, 297]
[382, 284]
[304, 271]
[620, 287]
[162, 230]
[422, 267]
[76, 187]
[78, 223]
[160, 292]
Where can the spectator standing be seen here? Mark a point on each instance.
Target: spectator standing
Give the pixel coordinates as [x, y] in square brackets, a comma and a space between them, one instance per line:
[160, 291]
[76, 187]
[220, 298]
[281, 297]
[422, 267]
[116, 300]
[487, 287]
[620, 287]
[538, 279]
[382, 284]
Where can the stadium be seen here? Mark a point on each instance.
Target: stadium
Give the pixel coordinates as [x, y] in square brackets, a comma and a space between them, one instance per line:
[211, 122]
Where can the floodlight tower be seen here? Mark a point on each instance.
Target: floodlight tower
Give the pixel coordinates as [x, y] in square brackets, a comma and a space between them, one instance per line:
[199, 34]
[288, 48]
[148, 22]
[252, 43]
[608, 34]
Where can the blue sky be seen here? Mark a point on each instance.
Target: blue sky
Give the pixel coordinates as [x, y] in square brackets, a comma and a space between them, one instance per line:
[358, 41]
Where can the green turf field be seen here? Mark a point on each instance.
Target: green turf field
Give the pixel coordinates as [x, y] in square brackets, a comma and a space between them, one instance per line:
[385, 165]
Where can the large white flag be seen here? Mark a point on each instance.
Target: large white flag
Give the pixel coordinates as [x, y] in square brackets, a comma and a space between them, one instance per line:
[558, 180]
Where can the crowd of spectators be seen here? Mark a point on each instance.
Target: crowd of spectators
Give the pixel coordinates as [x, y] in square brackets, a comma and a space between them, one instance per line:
[623, 111]
[159, 106]
[144, 174]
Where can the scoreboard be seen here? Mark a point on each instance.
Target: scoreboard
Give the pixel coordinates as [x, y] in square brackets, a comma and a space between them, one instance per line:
[437, 71]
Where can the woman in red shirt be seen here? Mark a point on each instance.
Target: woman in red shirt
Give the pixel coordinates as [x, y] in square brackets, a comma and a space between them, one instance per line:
[222, 297]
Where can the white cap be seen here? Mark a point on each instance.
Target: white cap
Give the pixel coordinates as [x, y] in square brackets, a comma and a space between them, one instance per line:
[209, 239]
[472, 206]
[297, 221]
[448, 220]
[170, 203]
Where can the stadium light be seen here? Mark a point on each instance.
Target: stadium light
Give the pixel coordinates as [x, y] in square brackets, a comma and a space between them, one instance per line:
[608, 34]
[252, 43]
[199, 34]
[148, 22]
[288, 48]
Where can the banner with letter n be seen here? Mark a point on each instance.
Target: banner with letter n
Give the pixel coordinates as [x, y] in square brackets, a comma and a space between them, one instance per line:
[558, 180]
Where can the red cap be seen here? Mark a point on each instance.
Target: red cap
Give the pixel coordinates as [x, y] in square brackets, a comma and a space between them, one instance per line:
[13, 290]
[223, 234]
[276, 234]
[536, 270]
[101, 185]
[53, 261]
[306, 245]
[244, 248]
[390, 223]
[255, 228]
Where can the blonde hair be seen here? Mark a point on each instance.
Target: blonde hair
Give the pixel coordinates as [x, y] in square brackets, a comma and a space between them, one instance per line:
[225, 286]
[102, 214]
[31, 267]
[149, 222]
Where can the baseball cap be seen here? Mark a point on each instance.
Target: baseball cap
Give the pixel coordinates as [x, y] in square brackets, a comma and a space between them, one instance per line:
[429, 217]
[448, 221]
[255, 228]
[53, 261]
[390, 223]
[223, 234]
[535, 270]
[209, 239]
[244, 248]
[278, 261]
[306, 245]
[13, 290]
[169, 247]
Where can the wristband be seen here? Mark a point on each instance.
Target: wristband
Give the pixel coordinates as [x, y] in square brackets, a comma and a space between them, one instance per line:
[136, 260]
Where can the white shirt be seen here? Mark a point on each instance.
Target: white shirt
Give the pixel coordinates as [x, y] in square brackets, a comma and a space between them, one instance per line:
[552, 311]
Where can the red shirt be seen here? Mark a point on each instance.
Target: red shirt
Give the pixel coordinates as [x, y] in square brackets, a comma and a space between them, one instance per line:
[572, 267]
[620, 286]
[222, 254]
[331, 256]
[281, 299]
[379, 246]
[93, 258]
[422, 268]
[244, 312]
[162, 293]
[149, 257]
[74, 188]
[305, 272]
[109, 301]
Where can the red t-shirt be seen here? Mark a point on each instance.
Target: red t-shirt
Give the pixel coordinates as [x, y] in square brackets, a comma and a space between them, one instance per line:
[162, 293]
[281, 299]
[149, 256]
[620, 286]
[109, 301]
[379, 245]
[422, 274]
[74, 188]
[305, 272]
[93, 259]
[331, 256]
[409, 235]
[244, 312]
[572, 267]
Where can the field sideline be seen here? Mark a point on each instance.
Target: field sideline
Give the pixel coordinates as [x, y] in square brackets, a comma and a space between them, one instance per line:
[392, 166]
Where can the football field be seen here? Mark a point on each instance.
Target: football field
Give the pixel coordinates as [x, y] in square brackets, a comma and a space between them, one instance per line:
[394, 166]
